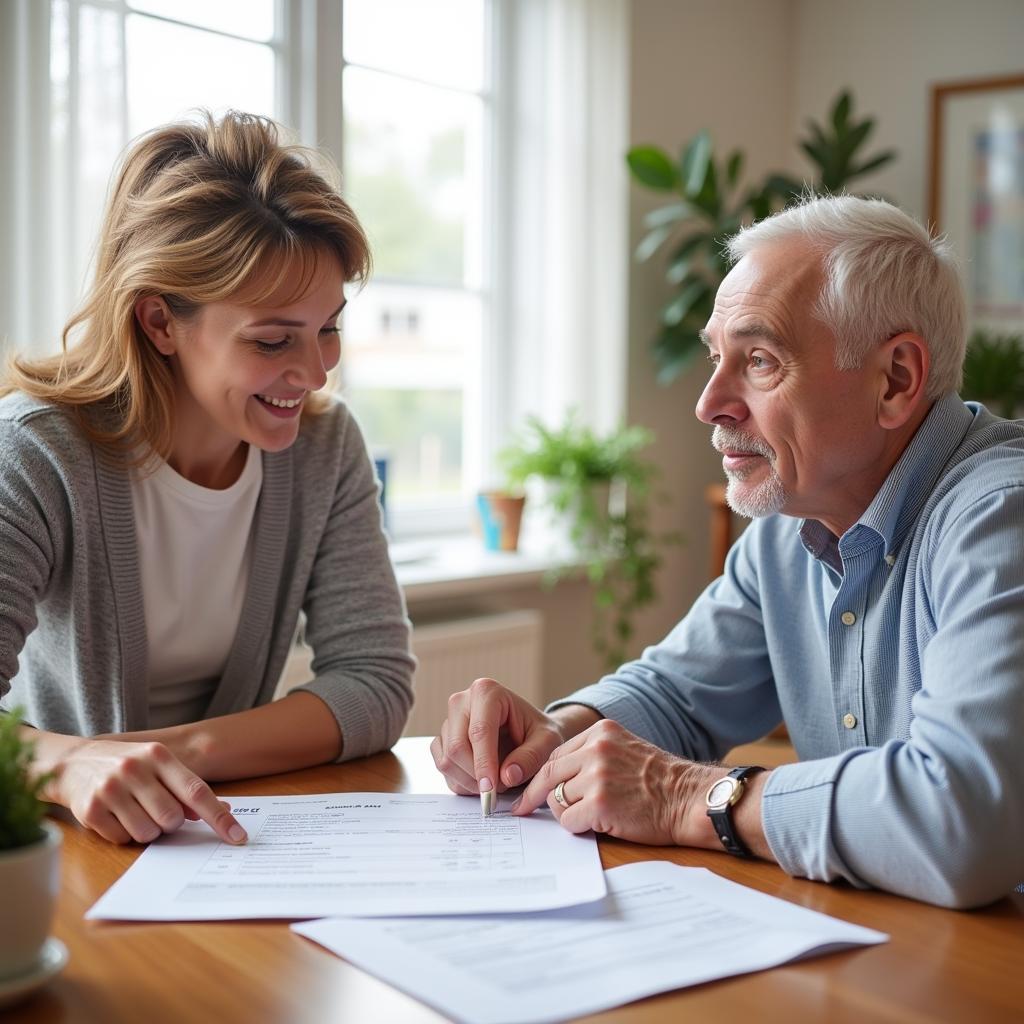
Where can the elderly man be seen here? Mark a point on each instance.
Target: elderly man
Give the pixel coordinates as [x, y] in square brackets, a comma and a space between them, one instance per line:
[875, 604]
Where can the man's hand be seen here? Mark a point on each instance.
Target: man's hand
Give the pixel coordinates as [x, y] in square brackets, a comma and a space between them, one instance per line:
[136, 791]
[618, 784]
[492, 739]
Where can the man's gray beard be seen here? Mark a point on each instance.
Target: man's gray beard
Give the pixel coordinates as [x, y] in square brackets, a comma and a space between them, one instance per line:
[763, 499]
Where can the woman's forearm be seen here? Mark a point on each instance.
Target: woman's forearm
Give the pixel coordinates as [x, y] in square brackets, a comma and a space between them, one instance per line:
[51, 752]
[298, 731]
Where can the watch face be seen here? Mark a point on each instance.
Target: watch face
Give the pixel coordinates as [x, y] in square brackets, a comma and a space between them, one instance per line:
[720, 792]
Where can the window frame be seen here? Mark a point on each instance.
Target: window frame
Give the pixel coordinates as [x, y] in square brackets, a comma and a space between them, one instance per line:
[283, 15]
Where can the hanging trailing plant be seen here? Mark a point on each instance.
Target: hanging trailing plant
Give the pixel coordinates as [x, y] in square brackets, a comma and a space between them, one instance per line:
[601, 488]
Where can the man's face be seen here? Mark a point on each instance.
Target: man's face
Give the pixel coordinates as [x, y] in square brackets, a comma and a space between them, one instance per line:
[796, 434]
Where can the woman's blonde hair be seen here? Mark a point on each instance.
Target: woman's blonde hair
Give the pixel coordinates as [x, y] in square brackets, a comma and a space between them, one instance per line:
[201, 212]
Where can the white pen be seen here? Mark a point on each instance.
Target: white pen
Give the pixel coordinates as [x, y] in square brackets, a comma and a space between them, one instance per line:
[487, 800]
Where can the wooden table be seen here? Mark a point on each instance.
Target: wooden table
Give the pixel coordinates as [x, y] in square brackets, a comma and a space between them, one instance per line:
[939, 966]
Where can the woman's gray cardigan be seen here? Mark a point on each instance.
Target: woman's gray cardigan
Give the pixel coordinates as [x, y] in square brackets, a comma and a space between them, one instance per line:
[72, 627]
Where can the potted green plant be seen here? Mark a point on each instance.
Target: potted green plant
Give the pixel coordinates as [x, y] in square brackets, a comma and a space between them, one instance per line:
[994, 371]
[600, 489]
[29, 866]
[707, 205]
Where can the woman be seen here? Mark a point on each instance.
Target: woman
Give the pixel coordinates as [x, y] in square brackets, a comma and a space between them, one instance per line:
[173, 492]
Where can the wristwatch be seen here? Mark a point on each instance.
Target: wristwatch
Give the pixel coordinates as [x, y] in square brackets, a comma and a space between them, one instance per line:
[721, 799]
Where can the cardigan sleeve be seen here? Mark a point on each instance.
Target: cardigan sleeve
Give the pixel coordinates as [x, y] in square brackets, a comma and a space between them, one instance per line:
[30, 538]
[355, 615]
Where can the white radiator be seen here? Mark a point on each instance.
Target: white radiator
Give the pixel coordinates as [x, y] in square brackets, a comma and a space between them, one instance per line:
[506, 646]
[451, 653]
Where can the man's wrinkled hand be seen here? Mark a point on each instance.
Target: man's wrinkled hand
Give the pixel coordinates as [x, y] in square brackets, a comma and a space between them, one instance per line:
[619, 785]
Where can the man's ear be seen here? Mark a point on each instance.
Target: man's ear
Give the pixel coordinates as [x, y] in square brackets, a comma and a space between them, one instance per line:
[154, 318]
[904, 364]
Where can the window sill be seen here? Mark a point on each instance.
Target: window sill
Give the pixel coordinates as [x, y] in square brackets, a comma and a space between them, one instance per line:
[459, 565]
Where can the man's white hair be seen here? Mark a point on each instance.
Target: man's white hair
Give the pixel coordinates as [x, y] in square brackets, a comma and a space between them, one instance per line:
[884, 274]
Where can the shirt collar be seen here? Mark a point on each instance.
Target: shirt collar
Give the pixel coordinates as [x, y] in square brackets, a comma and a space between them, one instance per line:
[902, 496]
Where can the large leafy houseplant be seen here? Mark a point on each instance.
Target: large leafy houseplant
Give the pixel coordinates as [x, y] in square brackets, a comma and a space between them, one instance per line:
[601, 488]
[994, 371]
[704, 210]
[835, 149]
[708, 205]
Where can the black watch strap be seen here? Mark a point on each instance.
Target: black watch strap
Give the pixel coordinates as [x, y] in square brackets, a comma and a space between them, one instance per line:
[721, 817]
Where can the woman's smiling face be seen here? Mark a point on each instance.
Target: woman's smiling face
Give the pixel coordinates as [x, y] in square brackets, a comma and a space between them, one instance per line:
[242, 372]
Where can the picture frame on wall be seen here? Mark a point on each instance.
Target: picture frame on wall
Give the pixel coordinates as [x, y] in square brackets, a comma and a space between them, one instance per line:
[976, 192]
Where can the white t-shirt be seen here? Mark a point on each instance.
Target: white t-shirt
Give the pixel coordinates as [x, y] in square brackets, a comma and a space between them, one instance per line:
[195, 546]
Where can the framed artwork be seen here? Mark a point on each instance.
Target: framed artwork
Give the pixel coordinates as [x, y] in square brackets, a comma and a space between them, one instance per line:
[976, 192]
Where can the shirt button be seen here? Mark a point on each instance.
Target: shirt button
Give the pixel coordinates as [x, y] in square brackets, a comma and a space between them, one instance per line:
[848, 618]
[890, 560]
[850, 721]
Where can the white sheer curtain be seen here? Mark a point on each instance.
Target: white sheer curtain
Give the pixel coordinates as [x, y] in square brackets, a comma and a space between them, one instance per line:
[562, 238]
[32, 309]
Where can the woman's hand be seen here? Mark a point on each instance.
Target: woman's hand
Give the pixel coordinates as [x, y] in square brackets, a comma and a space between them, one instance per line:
[136, 791]
[493, 739]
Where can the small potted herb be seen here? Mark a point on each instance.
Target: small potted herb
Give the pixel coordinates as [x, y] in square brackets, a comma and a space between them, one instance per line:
[29, 856]
[599, 490]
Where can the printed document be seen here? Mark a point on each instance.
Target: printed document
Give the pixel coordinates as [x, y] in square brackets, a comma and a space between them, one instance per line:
[358, 854]
[660, 927]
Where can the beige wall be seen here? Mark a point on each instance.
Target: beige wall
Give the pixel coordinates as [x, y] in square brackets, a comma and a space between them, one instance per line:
[722, 65]
[890, 52]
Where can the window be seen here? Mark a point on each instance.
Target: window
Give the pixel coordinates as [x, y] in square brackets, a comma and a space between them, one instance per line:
[481, 145]
[417, 115]
[120, 68]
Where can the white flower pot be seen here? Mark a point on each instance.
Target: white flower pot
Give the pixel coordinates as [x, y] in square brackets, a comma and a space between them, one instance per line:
[29, 879]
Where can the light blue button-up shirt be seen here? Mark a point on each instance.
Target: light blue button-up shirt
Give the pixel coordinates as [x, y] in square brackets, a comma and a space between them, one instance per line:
[895, 656]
